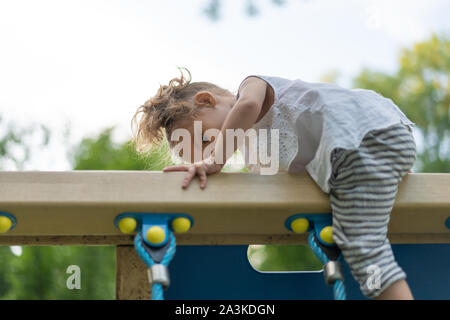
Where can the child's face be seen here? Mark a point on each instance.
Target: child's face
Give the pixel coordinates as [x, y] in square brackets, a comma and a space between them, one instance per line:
[212, 115]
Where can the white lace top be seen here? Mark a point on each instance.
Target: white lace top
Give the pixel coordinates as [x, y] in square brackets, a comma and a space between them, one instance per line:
[315, 118]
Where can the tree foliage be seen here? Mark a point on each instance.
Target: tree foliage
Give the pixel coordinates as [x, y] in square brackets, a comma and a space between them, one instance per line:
[102, 153]
[421, 88]
[40, 272]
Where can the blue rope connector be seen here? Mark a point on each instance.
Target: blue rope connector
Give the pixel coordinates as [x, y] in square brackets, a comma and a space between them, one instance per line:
[159, 268]
[321, 243]
[155, 242]
[332, 269]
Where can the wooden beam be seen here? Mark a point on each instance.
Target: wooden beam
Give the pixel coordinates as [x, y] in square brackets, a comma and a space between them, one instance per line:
[81, 206]
[208, 239]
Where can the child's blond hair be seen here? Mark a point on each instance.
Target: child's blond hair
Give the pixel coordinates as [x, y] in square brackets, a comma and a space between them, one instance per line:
[171, 103]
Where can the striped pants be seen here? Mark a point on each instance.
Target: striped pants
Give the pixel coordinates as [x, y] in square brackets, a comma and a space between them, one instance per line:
[363, 186]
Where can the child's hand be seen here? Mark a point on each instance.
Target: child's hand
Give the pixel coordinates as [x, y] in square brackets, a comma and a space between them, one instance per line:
[200, 168]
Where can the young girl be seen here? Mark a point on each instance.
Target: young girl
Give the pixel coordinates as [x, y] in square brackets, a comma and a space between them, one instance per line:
[355, 144]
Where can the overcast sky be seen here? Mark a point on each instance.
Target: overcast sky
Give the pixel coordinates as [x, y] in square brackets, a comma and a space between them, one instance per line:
[92, 63]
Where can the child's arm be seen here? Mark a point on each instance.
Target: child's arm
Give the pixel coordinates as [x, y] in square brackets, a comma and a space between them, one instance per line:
[243, 115]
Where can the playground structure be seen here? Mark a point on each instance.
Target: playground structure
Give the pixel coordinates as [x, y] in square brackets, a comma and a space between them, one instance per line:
[235, 210]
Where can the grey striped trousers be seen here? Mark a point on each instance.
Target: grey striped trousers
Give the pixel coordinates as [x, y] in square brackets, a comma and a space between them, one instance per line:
[363, 186]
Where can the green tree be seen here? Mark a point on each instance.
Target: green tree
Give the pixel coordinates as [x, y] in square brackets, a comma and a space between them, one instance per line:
[40, 272]
[102, 153]
[421, 88]
[15, 149]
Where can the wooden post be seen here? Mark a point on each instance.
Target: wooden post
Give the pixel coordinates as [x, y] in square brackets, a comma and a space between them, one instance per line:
[131, 275]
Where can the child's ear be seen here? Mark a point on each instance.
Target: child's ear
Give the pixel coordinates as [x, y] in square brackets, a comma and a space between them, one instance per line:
[204, 99]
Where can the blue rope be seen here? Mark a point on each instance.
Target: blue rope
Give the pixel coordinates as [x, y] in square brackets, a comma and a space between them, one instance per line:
[338, 286]
[339, 290]
[157, 289]
[316, 249]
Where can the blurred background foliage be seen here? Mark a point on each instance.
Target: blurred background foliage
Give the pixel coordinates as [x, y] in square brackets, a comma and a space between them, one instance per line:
[213, 8]
[420, 87]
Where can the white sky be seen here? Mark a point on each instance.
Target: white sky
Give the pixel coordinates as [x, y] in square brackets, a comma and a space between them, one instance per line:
[92, 63]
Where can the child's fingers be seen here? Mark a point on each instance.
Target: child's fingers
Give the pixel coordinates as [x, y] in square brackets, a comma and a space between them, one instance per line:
[202, 176]
[189, 176]
[176, 168]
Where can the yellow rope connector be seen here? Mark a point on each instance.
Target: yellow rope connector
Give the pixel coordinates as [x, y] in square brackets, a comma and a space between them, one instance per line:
[156, 235]
[5, 224]
[181, 225]
[326, 234]
[300, 225]
[127, 225]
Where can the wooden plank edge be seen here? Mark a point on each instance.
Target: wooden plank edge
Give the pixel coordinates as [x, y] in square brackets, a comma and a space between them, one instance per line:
[235, 239]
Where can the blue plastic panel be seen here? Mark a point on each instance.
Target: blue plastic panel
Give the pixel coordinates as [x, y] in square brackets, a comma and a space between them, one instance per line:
[223, 272]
